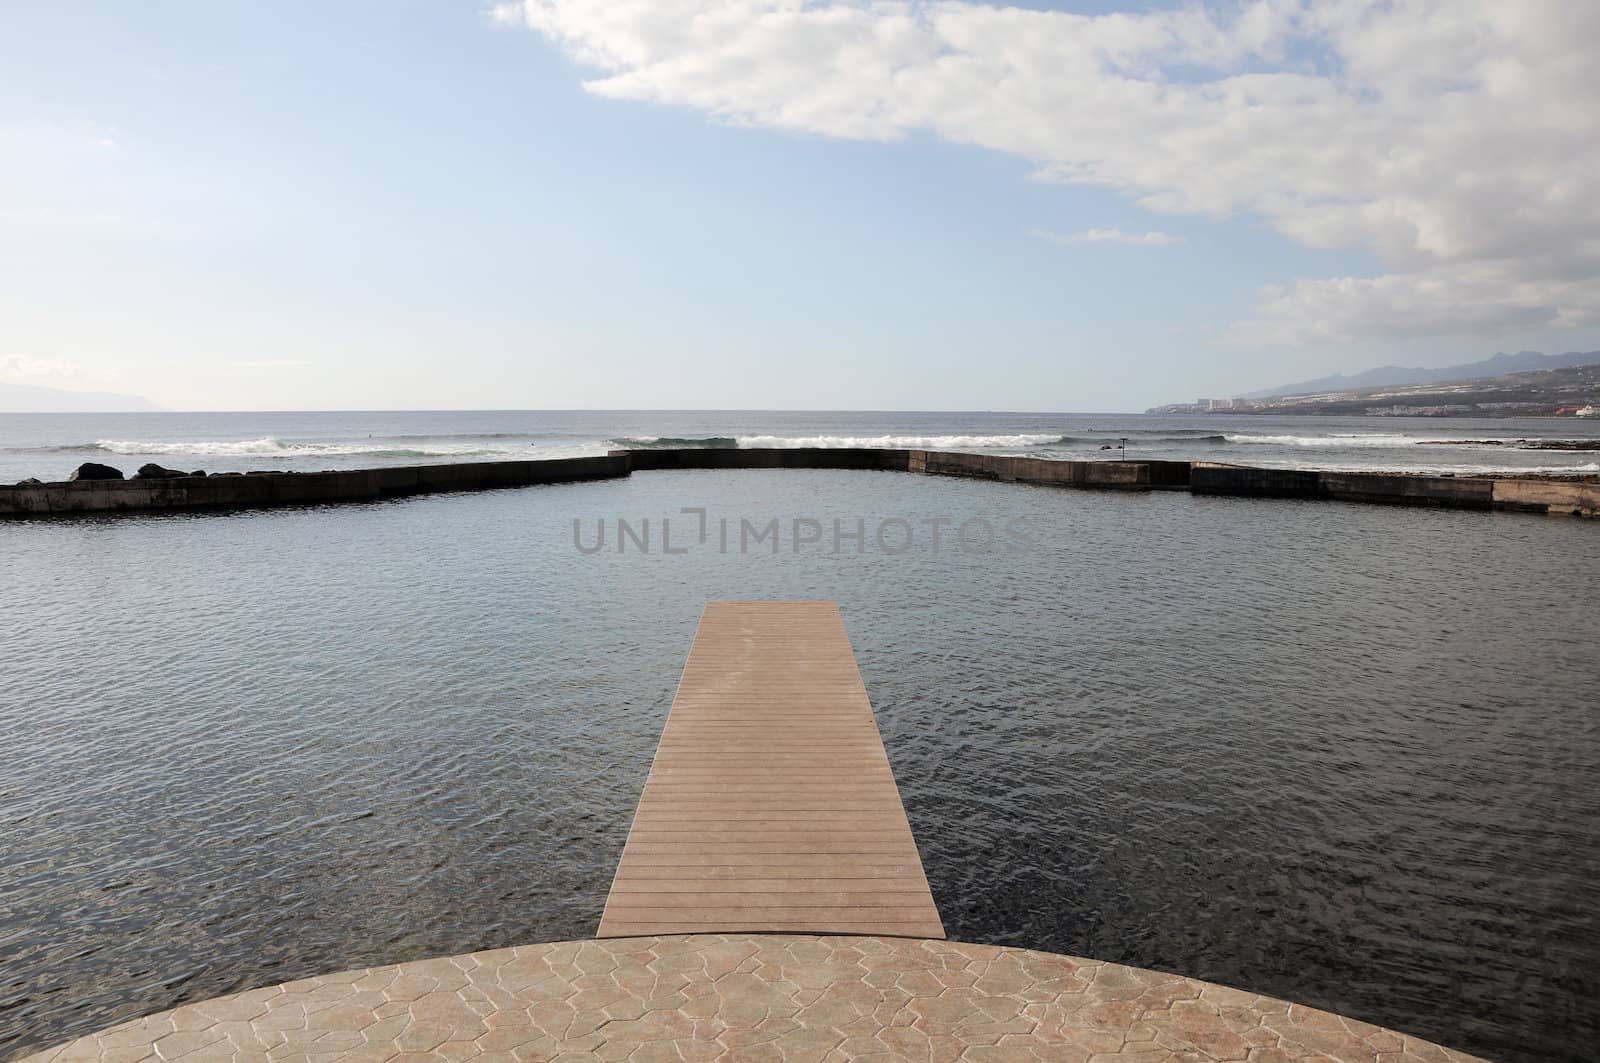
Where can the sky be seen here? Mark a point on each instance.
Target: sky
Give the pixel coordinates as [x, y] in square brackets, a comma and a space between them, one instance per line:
[776, 204]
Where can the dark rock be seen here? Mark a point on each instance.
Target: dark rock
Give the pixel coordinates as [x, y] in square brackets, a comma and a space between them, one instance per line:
[29, 482]
[91, 470]
[1562, 444]
[198, 472]
[153, 471]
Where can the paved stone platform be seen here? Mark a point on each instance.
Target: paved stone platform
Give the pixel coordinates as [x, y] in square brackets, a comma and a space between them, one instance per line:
[750, 997]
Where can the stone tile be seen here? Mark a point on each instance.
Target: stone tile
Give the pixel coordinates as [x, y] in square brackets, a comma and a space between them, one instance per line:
[785, 999]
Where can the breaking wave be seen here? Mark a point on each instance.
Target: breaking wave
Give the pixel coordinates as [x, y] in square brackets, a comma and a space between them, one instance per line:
[676, 443]
[1342, 439]
[270, 447]
[1471, 454]
[929, 442]
[897, 442]
[1196, 438]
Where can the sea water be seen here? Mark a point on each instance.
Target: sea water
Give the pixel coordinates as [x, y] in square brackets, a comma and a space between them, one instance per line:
[50, 446]
[1343, 754]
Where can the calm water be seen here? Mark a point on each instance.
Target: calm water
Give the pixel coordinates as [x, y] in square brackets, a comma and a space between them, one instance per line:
[1346, 755]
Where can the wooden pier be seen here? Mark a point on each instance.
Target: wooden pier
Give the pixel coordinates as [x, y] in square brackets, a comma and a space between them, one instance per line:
[770, 805]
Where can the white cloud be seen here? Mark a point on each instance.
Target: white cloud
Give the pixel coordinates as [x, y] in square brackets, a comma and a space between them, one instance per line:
[1110, 236]
[1455, 140]
[24, 367]
[57, 373]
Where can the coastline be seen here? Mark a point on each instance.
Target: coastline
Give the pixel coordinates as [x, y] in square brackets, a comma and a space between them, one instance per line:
[1520, 493]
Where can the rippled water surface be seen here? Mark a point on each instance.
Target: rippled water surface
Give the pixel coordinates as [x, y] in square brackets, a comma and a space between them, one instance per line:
[1346, 755]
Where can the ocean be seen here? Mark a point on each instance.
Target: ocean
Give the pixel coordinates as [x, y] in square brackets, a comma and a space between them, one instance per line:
[50, 446]
[1343, 754]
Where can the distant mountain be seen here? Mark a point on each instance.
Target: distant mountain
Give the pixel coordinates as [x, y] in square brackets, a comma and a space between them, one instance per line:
[34, 398]
[1570, 391]
[1395, 375]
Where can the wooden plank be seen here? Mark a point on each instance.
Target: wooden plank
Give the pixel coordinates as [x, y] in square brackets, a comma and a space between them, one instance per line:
[777, 883]
[874, 927]
[770, 806]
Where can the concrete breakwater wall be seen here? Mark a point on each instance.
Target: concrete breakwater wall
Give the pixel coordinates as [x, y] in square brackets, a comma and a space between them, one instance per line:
[1136, 475]
[1548, 496]
[1508, 493]
[767, 458]
[253, 490]
[237, 490]
[1515, 494]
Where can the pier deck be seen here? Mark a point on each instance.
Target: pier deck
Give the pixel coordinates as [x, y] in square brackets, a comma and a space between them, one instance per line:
[770, 805]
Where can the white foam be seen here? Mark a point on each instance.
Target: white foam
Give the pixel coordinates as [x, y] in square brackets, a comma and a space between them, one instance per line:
[901, 442]
[1354, 439]
[271, 447]
[1380, 465]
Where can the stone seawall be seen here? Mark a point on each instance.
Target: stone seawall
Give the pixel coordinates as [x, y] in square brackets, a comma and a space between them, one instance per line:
[1204, 478]
[767, 458]
[254, 490]
[237, 490]
[1454, 492]
[1135, 475]
[1510, 494]
[1548, 496]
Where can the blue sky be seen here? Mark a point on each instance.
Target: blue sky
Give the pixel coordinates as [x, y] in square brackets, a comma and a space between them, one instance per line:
[419, 205]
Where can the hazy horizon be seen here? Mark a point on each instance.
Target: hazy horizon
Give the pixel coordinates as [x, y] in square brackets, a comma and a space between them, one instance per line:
[59, 400]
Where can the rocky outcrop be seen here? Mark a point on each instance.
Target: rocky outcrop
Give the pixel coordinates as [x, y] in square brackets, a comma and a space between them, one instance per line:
[93, 470]
[152, 471]
[1560, 444]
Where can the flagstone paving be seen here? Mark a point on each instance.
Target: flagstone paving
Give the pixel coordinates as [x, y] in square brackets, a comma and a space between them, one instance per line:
[756, 997]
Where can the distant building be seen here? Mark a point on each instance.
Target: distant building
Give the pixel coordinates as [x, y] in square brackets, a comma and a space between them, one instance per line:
[1453, 410]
